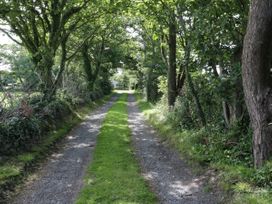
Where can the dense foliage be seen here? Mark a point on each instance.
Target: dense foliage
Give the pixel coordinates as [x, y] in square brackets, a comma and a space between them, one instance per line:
[62, 60]
[184, 55]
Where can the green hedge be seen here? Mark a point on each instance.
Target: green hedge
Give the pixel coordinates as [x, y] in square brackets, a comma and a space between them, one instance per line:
[35, 145]
[20, 131]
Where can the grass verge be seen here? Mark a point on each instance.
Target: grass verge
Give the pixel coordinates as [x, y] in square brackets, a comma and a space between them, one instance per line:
[14, 170]
[114, 176]
[235, 179]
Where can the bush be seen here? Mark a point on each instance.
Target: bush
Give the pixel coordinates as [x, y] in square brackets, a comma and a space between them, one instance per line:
[263, 176]
[96, 95]
[35, 99]
[25, 124]
[106, 87]
[73, 100]
[180, 117]
[55, 110]
[207, 144]
[18, 133]
[221, 146]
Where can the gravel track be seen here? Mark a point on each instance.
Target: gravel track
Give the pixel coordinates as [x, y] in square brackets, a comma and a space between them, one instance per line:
[168, 175]
[61, 178]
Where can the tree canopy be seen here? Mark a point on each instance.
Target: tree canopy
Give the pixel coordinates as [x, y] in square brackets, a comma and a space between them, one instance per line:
[185, 55]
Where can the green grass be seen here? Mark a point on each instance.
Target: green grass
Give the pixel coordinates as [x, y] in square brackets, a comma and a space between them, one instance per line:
[17, 168]
[114, 176]
[236, 180]
[8, 171]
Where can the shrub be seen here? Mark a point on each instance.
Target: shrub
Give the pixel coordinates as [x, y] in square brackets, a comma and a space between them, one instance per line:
[71, 99]
[95, 95]
[55, 110]
[35, 99]
[18, 133]
[106, 87]
[25, 124]
[263, 176]
[222, 146]
[180, 117]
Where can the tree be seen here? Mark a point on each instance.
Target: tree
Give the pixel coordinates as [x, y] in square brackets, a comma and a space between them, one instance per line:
[42, 26]
[22, 68]
[172, 72]
[257, 78]
[217, 40]
[164, 13]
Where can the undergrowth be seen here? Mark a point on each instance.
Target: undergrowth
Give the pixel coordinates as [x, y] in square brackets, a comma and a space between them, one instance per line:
[14, 169]
[228, 152]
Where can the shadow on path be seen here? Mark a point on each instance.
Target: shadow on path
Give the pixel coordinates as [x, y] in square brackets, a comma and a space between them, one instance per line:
[61, 178]
[168, 175]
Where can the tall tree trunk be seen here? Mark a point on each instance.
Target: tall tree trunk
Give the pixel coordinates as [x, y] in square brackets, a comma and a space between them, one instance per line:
[238, 95]
[196, 98]
[180, 81]
[225, 105]
[151, 89]
[149, 84]
[149, 77]
[257, 80]
[237, 104]
[194, 93]
[63, 61]
[44, 69]
[87, 65]
[172, 92]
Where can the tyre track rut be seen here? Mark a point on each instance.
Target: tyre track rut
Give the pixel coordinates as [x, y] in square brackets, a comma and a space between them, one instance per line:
[61, 178]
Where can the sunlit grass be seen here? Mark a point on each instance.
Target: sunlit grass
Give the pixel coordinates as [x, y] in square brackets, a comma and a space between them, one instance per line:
[262, 197]
[8, 170]
[114, 176]
[27, 157]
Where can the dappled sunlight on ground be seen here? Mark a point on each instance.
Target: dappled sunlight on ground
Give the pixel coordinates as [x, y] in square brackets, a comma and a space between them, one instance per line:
[124, 91]
[169, 176]
[62, 176]
[114, 172]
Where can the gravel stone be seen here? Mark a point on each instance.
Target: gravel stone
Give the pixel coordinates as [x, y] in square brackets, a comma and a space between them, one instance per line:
[168, 175]
[61, 178]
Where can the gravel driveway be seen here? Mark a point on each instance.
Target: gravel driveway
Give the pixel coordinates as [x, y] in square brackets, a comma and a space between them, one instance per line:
[61, 178]
[168, 175]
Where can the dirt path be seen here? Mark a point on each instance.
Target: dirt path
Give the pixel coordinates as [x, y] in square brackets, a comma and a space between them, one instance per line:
[168, 175]
[60, 180]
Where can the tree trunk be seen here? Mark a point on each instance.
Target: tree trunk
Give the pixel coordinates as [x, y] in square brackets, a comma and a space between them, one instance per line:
[58, 79]
[172, 92]
[149, 85]
[44, 69]
[194, 93]
[87, 65]
[257, 80]
[180, 82]
[225, 105]
[196, 98]
[226, 113]
[238, 102]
